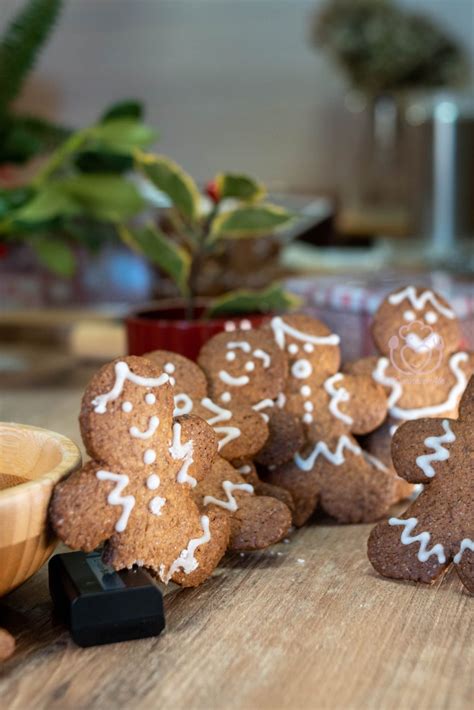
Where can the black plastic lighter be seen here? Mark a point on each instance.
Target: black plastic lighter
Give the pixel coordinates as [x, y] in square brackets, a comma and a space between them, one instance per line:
[100, 605]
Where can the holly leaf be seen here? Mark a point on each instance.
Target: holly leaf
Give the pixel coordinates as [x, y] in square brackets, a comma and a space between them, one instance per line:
[239, 187]
[123, 135]
[108, 197]
[55, 255]
[49, 202]
[130, 108]
[171, 179]
[249, 221]
[273, 299]
[158, 248]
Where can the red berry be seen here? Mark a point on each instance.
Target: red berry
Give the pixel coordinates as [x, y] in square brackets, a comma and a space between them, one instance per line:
[213, 191]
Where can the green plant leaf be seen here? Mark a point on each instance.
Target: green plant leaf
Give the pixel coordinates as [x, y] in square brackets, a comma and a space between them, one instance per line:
[21, 44]
[123, 135]
[129, 108]
[240, 187]
[249, 221]
[273, 299]
[55, 255]
[108, 197]
[171, 179]
[101, 161]
[49, 202]
[160, 250]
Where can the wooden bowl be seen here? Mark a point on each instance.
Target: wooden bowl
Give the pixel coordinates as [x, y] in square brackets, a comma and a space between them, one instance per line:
[32, 461]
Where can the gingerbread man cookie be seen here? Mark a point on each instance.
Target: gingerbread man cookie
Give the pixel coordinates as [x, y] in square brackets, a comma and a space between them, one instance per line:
[256, 521]
[421, 369]
[247, 366]
[438, 527]
[332, 470]
[136, 492]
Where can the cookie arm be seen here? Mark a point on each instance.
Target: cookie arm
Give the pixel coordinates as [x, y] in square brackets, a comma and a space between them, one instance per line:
[419, 447]
[205, 444]
[79, 511]
[359, 401]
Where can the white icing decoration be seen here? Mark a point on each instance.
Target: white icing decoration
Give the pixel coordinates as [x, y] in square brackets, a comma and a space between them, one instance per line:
[150, 398]
[230, 356]
[226, 396]
[183, 404]
[245, 469]
[409, 315]
[115, 496]
[123, 373]
[264, 356]
[233, 381]
[308, 348]
[466, 544]
[230, 503]
[293, 348]
[127, 407]
[149, 456]
[432, 411]
[169, 368]
[264, 404]
[250, 366]
[186, 560]
[309, 406]
[377, 463]
[307, 418]
[337, 396]
[419, 302]
[418, 344]
[423, 538]
[281, 400]
[301, 369]
[153, 482]
[305, 391]
[440, 452]
[222, 415]
[280, 328]
[240, 345]
[153, 424]
[156, 505]
[245, 324]
[431, 317]
[337, 457]
[229, 326]
[182, 452]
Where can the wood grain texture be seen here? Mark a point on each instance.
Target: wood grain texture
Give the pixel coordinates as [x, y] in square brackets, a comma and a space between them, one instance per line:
[306, 624]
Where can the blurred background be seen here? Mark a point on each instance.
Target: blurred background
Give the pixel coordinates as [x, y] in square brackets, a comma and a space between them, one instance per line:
[358, 115]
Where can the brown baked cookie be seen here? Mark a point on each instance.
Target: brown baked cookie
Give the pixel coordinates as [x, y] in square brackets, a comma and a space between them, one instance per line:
[255, 521]
[420, 368]
[249, 472]
[252, 368]
[135, 495]
[7, 645]
[241, 431]
[244, 364]
[439, 526]
[332, 470]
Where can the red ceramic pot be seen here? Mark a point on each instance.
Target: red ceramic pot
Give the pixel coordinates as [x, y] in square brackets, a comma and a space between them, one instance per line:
[165, 327]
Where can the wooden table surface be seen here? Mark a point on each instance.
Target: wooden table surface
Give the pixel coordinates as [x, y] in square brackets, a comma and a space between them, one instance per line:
[306, 624]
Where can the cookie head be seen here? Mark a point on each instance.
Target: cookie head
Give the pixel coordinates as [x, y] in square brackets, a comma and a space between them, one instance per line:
[418, 323]
[311, 348]
[125, 407]
[187, 379]
[243, 365]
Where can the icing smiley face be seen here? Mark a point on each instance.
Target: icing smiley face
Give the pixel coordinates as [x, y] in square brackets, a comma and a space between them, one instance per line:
[243, 365]
[419, 317]
[129, 393]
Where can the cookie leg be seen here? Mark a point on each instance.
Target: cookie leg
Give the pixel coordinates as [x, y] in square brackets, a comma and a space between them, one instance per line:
[402, 548]
[464, 563]
[208, 554]
[258, 522]
[302, 486]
